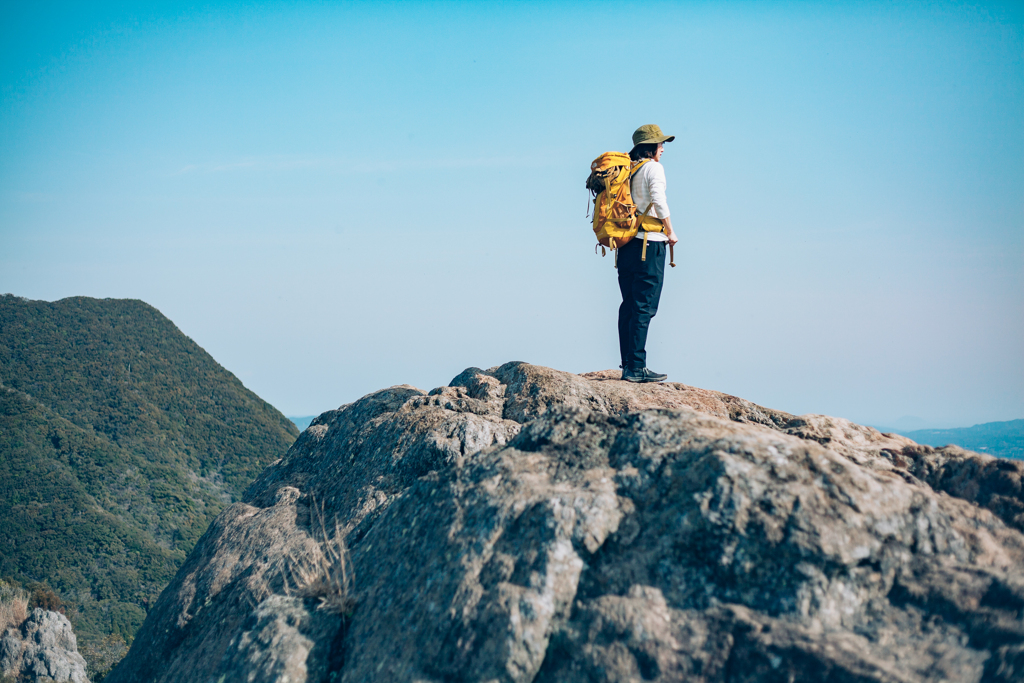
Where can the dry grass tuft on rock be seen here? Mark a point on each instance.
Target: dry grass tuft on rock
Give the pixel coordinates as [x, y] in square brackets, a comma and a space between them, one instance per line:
[325, 576]
[13, 606]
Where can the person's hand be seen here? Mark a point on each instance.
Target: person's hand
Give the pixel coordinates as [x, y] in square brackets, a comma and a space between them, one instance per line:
[669, 232]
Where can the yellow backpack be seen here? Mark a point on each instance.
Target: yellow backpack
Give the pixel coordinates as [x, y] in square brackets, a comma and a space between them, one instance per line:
[616, 220]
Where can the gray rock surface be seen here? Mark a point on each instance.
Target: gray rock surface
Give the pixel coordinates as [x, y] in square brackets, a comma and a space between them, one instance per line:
[43, 648]
[525, 524]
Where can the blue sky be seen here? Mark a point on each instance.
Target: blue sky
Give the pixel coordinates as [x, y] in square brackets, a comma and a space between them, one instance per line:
[336, 197]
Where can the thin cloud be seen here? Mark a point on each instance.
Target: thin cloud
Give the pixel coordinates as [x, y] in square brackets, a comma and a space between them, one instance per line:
[270, 163]
[354, 166]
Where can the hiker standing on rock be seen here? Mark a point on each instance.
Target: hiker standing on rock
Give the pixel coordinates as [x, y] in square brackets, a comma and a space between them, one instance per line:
[641, 262]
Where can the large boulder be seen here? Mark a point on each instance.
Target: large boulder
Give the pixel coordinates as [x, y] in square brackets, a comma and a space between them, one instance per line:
[525, 524]
[43, 648]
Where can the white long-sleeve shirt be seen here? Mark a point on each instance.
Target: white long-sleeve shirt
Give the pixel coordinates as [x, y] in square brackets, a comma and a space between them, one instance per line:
[647, 188]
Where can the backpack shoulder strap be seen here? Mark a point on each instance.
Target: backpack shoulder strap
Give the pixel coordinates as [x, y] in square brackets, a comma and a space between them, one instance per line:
[640, 218]
[632, 171]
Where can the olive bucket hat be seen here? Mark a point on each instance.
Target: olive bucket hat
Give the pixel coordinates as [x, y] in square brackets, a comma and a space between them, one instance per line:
[650, 135]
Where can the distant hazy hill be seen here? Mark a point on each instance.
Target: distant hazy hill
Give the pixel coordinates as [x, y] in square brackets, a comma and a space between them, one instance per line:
[120, 439]
[1005, 439]
[302, 422]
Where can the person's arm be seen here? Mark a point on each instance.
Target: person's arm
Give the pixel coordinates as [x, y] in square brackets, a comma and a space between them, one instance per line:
[660, 205]
[669, 232]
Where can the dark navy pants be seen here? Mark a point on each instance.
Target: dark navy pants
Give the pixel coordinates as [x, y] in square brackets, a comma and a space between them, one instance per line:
[640, 283]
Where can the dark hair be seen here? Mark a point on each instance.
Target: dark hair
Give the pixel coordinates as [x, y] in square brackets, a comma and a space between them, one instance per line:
[644, 151]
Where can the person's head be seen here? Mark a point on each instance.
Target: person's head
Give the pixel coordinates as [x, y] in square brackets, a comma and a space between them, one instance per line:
[648, 142]
[648, 150]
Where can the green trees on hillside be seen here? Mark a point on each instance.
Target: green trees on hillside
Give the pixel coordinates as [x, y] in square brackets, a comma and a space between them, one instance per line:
[61, 524]
[121, 369]
[120, 440]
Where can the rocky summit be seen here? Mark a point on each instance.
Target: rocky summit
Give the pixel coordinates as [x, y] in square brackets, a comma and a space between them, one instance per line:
[525, 524]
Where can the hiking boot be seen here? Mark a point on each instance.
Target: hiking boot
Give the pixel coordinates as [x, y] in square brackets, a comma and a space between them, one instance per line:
[643, 375]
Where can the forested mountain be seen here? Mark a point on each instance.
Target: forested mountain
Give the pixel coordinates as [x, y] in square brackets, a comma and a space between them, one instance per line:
[120, 439]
